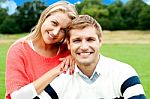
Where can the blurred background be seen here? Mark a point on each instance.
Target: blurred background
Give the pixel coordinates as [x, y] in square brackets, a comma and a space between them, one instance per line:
[125, 24]
[18, 16]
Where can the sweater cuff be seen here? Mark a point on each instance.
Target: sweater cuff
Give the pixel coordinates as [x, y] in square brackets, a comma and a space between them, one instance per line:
[26, 92]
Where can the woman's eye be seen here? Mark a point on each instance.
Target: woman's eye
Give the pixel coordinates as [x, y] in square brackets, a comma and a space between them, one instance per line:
[63, 31]
[54, 23]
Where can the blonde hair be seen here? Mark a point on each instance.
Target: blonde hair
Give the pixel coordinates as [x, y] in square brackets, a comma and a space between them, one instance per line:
[62, 6]
[83, 21]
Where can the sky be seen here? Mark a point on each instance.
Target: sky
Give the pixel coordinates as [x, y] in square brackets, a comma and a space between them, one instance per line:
[47, 2]
[12, 4]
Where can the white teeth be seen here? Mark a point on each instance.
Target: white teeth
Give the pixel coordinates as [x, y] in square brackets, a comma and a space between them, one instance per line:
[83, 54]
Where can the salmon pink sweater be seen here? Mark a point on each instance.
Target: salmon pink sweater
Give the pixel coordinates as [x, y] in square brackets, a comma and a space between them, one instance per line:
[24, 65]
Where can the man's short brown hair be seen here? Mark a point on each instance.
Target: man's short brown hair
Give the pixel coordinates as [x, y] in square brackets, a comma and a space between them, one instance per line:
[83, 21]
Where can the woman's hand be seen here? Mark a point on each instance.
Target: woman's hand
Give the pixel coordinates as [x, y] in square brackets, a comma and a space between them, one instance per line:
[69, 63]
[56, 71]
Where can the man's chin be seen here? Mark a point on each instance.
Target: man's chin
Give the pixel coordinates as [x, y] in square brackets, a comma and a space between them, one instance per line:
[84, 62]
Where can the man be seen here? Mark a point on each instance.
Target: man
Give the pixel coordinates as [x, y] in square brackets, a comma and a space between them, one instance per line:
[95, 76]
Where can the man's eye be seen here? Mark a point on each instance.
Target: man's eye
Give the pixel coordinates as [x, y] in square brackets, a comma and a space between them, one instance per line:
[90, 39]
[76, 41]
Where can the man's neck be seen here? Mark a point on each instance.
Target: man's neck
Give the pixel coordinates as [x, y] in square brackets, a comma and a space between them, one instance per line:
[88, 69]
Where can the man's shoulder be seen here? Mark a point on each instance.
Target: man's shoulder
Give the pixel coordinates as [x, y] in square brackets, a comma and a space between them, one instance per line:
[114, 66]
[113, 62]
[63, 78]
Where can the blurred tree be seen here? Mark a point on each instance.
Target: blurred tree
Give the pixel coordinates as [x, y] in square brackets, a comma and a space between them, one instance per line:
[9, 26]
[144, 18]
[3, 14]
[91, 7]
[87, 4]
[28, 14]
[131, 12]
[117, 21]
[94, 8]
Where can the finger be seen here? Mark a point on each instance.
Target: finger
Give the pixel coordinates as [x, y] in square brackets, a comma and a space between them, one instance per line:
[57, 70]
[72, 67]
[61, 59]
[66, 65]
[62, 65]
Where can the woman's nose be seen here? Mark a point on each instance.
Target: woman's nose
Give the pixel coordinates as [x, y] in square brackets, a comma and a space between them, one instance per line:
[56, 31]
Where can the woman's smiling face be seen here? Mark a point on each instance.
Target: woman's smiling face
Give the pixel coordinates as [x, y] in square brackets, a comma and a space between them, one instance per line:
[53, 28]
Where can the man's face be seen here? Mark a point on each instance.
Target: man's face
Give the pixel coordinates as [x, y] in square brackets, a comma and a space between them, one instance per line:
[84, 45]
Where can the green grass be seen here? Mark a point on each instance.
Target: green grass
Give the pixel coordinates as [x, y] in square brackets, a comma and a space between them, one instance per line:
[3, 51]
[137, 55]
[5, 42]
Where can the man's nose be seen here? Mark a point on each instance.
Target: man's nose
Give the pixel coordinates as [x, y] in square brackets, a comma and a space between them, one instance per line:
[84, 45]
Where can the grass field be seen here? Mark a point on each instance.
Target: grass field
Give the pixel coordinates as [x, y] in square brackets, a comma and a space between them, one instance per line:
[131, 47]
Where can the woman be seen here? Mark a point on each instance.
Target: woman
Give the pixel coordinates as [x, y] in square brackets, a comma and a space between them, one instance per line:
[34, 61]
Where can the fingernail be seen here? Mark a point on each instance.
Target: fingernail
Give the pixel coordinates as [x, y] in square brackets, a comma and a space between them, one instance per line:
[61, 69]
[70, 72]
[64, 72]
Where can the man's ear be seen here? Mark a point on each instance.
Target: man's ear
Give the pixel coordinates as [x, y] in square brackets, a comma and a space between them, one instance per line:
[68, 44]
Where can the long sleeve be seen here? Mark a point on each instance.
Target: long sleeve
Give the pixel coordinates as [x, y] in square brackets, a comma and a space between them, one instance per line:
[26, 92]
[16, 74]
[131, 86]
